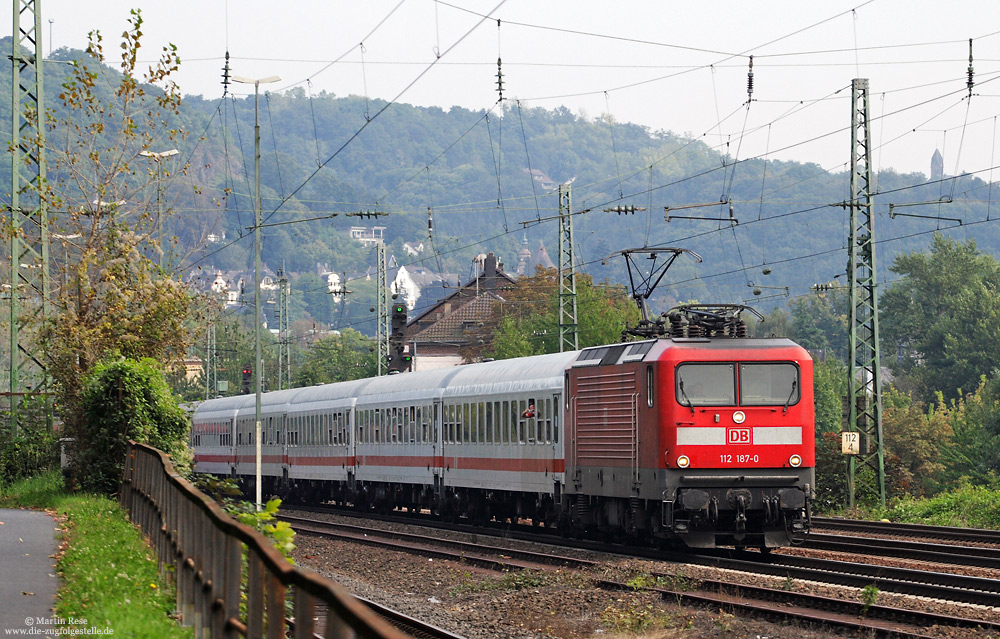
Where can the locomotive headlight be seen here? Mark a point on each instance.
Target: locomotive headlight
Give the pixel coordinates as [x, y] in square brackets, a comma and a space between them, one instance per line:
[795, 461]
[683, 461]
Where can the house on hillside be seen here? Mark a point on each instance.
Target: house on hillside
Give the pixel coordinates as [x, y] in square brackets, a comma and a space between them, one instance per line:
[369, 236]
[412, 283]
[437, 335]
[233, 288]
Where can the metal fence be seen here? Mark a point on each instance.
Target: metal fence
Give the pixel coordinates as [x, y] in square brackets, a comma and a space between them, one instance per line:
[217, 563]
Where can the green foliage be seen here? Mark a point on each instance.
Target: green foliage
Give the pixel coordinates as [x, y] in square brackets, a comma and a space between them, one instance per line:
[869, 597]
[124, 399]
[943, 317]
[967, 506]
[265, 522]
[633, 616]
[528, 318]
[337, 358]
[918, 439]
[35, 447]
[974, 453]
[830, 384]
[108, 573]
[831, 473]
[820, 322]
[227, 492]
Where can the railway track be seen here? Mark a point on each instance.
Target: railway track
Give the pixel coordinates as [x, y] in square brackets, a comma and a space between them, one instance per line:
[921, 531]
[978, 556]
[754, 600]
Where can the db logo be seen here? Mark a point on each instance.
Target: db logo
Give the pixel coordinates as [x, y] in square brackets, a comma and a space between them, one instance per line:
[737, 435]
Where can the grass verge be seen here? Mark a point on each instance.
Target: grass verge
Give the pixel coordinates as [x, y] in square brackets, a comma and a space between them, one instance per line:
[964, 507]
[109, 576]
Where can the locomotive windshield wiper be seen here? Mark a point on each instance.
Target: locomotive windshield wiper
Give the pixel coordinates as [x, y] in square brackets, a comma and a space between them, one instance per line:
[684, 396]
[790, 395]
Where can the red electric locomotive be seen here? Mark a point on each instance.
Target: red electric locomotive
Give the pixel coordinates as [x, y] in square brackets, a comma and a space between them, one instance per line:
[702, 435]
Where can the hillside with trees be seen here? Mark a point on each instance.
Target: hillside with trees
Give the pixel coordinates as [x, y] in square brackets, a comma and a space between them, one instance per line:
[767, 232]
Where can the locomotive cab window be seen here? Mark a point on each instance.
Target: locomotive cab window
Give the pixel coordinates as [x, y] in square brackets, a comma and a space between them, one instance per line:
[706, 384]
[770, 384]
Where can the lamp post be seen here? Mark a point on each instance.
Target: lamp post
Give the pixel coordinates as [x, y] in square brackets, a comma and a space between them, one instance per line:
[256, 241]
[157, 157]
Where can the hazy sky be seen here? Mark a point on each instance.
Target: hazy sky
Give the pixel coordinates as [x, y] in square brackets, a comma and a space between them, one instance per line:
[667, 65]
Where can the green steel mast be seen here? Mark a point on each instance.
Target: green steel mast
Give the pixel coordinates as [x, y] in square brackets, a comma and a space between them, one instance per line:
[30, 292]
[864, 408]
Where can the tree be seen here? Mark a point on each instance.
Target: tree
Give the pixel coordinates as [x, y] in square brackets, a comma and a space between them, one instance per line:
[973, 453]
[918, 438]
[942, 318]
[109, 295]
[526, 322]
[337, 358]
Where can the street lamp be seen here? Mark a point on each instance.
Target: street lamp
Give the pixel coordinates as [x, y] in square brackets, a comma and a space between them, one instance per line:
[159, 207]
[256, 241]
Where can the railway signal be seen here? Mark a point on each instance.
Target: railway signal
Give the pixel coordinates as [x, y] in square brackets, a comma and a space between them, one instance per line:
[247, 378]
[398, 360]
[398, 323]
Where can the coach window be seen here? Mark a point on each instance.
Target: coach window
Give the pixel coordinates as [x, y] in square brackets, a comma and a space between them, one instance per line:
[489, 423]
[556, 421]
[522, 425]
[479, 423]
[547, 412]
[510, 422]
[468, 427]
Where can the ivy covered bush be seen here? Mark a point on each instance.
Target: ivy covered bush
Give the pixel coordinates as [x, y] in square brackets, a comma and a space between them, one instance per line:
[124, 399]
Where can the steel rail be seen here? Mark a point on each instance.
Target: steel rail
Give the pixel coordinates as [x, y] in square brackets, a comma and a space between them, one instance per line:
[916, 550]
[949, 533]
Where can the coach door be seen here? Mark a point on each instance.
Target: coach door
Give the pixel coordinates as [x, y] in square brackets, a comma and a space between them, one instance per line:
[438, 448]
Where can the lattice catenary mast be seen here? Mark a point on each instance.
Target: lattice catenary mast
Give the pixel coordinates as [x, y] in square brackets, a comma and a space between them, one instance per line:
[29, 225]
[864, 407]
[568, 326]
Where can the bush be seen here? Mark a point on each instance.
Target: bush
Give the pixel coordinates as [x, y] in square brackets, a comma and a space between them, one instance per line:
[124, 400]
[967, 506]
[35, 447]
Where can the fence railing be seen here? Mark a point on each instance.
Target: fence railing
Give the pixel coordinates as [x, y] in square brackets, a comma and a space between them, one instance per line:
[217, 561]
